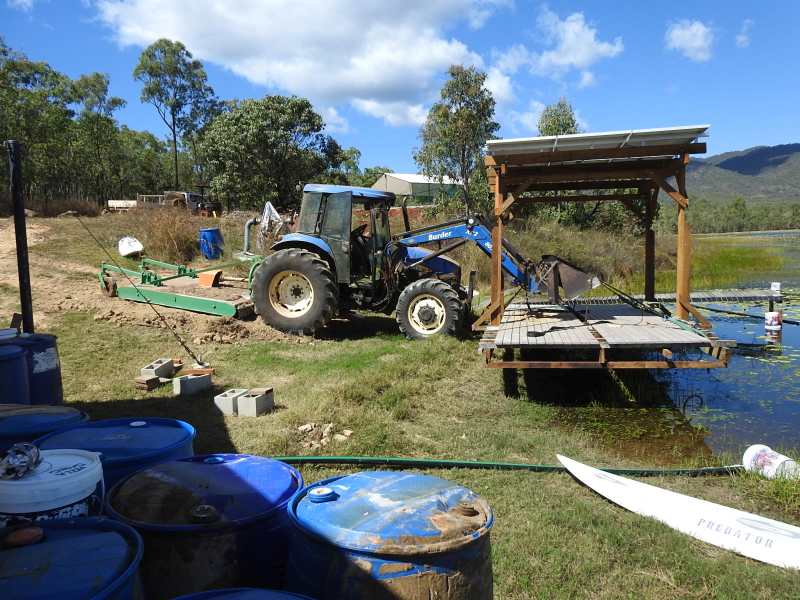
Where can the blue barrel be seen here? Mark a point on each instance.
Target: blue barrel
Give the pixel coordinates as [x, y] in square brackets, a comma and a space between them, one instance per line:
[211, 243]
[126, 445]
[90, 558]
[244, 594]
[44, 367]
[209, 522]
[14, 375]
[26, 423]
[390, 535]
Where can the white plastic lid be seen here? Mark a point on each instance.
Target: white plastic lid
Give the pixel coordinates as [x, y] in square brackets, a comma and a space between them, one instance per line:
[63, 478]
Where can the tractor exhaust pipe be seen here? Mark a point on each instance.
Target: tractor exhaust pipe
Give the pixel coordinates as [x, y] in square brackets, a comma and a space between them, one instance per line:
[247, 227]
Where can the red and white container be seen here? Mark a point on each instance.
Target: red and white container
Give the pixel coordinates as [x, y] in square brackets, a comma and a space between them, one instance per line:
[772, 465]
[773, 320]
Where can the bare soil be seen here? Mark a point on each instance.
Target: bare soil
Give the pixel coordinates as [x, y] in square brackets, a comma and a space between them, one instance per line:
[59, 286]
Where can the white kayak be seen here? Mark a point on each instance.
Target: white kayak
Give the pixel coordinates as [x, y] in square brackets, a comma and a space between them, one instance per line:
[129, 246]
[747, 534]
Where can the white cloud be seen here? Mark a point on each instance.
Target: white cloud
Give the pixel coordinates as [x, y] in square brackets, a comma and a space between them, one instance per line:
[587, 79]
[386, 59]
[528, 120]
[334, 122]
[480, 11]
[743, 37]
[500, 85]
[394, 113]
[574, 44]
[25, 5]
[693, 39]
[512, 59]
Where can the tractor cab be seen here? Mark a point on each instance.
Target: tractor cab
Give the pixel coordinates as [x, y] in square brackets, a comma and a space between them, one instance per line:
[352, 224]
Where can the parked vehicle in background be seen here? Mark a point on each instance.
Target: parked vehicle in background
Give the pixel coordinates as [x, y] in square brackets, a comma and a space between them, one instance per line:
[196, 203]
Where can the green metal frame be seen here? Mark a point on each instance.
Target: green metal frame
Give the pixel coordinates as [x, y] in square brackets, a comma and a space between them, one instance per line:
[209, 306]
[145, 276]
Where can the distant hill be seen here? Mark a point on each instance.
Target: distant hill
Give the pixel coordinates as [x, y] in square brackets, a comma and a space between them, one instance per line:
[759, 173]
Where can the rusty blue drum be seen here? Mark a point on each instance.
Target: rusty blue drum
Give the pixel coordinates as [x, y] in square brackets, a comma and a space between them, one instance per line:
[397, 535]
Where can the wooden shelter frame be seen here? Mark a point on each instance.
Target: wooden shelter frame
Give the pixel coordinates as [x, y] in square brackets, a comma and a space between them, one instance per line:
[632, 175]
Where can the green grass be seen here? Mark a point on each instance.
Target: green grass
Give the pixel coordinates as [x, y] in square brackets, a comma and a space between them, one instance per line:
[553, 538]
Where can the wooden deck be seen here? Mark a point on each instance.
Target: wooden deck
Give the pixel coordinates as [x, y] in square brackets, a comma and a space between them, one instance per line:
[595, 326]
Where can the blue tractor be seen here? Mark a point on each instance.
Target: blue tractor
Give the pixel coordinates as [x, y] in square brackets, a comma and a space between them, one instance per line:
[343, 256]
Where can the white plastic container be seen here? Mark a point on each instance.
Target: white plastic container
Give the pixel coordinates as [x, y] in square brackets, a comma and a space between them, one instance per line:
[66, 484]
[773, 320]
[772, 465]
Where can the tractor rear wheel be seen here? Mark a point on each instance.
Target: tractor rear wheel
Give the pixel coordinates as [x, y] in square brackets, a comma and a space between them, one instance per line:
[429, 307]
[295, 291]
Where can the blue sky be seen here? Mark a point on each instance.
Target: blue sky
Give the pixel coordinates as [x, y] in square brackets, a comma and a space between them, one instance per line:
[373, 68]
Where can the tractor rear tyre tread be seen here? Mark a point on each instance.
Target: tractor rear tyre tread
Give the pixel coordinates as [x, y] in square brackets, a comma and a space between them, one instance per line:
[447, 296]
[326, 293]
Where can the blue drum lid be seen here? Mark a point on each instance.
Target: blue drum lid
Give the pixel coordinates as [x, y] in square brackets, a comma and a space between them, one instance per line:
[243, 594]
[391, 513]
[80, 558]
[122, 440]
[204, 492]
[29, 421]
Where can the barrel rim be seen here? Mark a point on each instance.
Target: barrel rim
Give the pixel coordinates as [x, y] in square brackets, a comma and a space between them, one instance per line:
[109, 509]
[389, 550]
[222, 593]
[121, 460]
[107, 524]
[76, 419]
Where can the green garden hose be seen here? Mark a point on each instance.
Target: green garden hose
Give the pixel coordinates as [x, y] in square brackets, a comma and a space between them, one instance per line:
[437, 463]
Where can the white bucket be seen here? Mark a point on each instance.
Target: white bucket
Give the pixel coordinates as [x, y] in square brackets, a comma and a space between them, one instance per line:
[773, 320]
[66, 484]
[772, 465]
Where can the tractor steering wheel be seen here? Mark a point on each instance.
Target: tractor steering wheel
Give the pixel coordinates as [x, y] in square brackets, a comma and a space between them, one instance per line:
[359, 231]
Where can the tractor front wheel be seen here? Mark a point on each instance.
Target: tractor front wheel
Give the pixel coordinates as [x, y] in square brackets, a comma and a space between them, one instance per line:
[429, 307]
[294, 291]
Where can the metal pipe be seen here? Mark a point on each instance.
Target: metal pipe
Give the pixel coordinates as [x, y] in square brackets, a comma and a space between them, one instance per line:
[247, 226]
[23, 271]
[743, 314]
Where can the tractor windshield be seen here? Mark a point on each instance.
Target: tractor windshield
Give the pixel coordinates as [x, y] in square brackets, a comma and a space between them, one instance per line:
[309, 213]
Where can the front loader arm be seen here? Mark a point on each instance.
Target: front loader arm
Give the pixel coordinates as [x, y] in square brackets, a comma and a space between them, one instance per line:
[471, 229]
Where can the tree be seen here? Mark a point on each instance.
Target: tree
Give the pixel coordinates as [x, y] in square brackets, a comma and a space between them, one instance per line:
[176, 85]
[558, 119]
[261, 149]
[348, 170]
[456, 130]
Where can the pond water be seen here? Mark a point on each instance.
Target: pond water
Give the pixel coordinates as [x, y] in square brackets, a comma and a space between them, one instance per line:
[685, 414]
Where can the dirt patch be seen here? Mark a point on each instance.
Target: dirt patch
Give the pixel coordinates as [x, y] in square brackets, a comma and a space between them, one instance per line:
[62, 286]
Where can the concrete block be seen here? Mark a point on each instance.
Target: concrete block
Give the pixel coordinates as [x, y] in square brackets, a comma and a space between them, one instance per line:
[256, 402]
[161, 367]
[187, 385]
[227, 401]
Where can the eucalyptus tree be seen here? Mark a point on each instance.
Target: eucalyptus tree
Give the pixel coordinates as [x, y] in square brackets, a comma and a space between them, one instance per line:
[456, 131]
[175, 83]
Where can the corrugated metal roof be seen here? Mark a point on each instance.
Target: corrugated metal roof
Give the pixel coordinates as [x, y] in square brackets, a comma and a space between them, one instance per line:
[419, 178]
[590, 141]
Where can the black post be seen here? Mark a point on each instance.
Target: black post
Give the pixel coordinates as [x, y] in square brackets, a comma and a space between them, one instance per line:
[15, 168]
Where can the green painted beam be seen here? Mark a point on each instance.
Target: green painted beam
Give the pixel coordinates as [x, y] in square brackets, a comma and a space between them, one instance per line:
[209, 306]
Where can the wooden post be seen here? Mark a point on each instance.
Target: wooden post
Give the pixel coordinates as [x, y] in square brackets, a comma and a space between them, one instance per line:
[650, 248]
[684, 272]
[497, 249]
